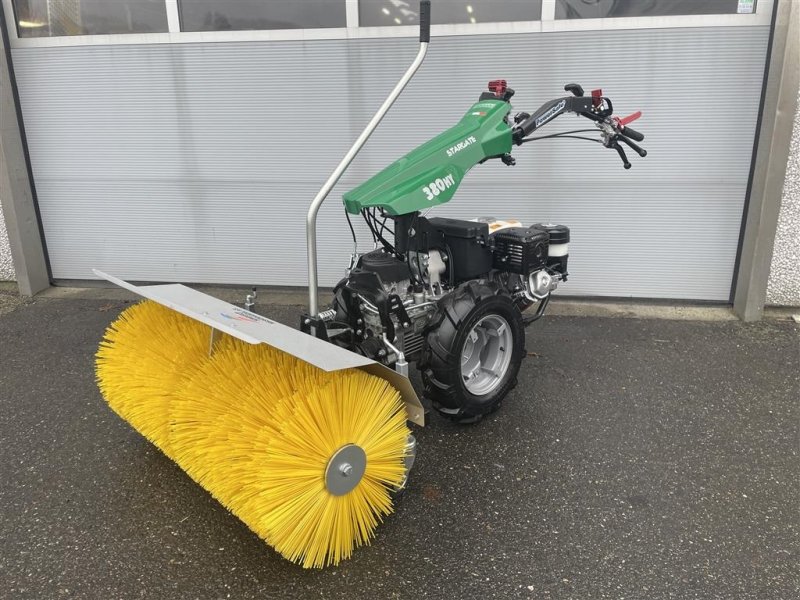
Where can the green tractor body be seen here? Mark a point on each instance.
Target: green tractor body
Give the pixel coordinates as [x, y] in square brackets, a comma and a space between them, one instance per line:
[431, 173]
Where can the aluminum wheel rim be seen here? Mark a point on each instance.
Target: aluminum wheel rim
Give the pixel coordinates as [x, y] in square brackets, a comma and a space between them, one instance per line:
[486, 355]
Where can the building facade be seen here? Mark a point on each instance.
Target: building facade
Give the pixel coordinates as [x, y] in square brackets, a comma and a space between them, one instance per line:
[784, 275]
[182, 140]
[6, 263]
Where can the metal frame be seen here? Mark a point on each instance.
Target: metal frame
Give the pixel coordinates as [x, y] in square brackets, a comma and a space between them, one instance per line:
[768, 169]
[352, 15]
[548, 23]
[173, 16]
[311, 219]
[17, 190]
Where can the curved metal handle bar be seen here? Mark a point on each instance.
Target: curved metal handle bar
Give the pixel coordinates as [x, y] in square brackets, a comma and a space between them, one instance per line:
[311, 219]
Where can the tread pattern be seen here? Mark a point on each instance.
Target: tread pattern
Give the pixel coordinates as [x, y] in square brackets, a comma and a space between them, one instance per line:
[440, 363]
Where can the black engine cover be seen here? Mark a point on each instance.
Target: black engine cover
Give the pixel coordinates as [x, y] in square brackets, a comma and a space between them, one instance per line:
[466, 243]
[389, 268]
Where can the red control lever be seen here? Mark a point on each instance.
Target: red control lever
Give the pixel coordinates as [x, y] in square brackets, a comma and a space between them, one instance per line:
[629, 119]
[597, 97]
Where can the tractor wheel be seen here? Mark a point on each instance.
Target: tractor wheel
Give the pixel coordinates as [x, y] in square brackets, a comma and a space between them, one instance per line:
[475, 345]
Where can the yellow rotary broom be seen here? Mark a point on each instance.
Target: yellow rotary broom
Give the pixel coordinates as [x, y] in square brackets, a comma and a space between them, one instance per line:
[306, 458]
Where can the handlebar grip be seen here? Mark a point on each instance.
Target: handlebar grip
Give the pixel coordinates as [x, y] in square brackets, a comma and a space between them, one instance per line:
[632, 133]
[425, 21]
[635, 147]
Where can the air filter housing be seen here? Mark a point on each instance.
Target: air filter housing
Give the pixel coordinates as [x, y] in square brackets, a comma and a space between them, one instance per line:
[521, 250]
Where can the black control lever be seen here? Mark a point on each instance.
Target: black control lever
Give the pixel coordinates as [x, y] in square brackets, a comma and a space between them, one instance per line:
[615, 145]
[635, 147]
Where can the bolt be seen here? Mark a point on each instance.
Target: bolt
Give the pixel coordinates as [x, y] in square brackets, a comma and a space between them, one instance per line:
[307, 322]
[358, 332]
[406, 324]
[381, 352]
[346, 469]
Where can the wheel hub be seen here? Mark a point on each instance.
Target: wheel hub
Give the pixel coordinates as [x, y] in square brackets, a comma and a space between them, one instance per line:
[345, 469]
[486, 355]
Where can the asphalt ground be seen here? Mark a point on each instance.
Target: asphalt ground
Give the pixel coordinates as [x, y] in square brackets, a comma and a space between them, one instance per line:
[636, 459]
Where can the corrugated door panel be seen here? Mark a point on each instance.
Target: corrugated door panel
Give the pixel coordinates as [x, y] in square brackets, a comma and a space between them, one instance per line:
[196, 162]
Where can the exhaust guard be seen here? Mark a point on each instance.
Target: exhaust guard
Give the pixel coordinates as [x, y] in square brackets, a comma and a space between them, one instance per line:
[252, 328]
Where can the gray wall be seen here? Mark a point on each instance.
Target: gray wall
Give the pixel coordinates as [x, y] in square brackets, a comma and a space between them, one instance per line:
[784, 276]
[6, 266]
[196, 162]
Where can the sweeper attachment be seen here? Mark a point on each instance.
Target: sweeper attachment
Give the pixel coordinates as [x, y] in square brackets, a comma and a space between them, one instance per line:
[303, 434]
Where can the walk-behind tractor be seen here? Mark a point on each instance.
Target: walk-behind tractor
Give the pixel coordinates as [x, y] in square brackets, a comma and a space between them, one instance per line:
[303, 434]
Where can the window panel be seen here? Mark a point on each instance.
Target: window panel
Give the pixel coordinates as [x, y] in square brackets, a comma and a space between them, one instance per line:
[376, 13]
[46, 18]
[596, 9]
[225, 15]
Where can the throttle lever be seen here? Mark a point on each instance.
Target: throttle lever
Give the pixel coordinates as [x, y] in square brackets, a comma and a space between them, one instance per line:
[635, 147]
[615, 145]
[629, 119]
[621, 126]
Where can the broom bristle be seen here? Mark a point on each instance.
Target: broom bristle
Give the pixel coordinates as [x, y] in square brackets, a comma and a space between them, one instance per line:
[306, 523]
[223, 418]
[257, 428]
[144, 356]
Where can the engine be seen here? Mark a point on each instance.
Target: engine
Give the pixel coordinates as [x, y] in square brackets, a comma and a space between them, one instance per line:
[537, 254]
[384, 304]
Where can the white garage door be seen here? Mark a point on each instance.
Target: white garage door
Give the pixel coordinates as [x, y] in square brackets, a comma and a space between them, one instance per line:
[196, 162]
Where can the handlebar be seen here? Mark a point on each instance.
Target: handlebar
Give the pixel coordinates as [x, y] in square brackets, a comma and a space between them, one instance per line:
[424, 21]
[632, 133]
[596, 108]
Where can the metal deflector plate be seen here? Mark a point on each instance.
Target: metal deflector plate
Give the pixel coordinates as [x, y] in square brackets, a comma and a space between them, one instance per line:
[257, 329]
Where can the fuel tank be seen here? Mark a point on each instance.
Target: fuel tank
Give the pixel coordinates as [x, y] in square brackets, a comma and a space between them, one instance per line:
[431, 173]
